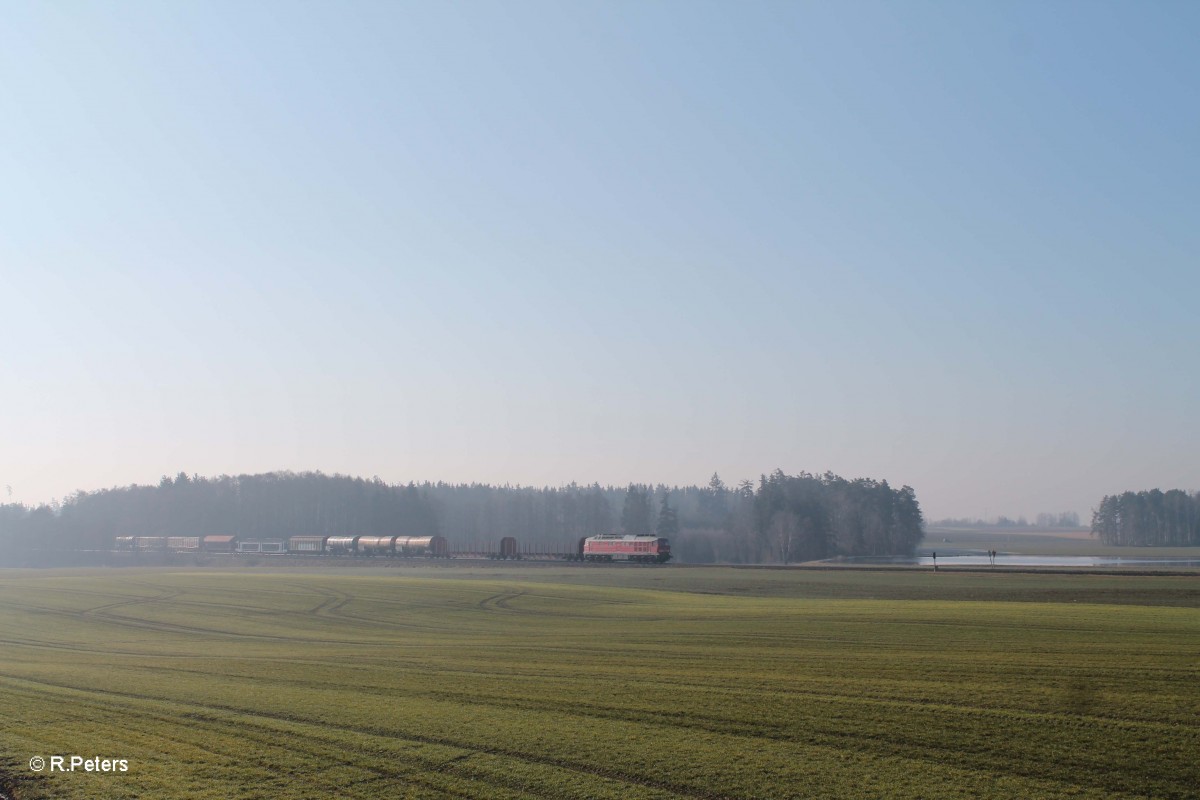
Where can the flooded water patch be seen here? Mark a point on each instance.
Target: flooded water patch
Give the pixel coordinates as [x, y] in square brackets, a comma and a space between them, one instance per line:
[981, 559]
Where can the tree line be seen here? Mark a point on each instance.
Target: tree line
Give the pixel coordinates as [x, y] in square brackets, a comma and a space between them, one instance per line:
[781, 519]
[1046, 519]
[1154, 518]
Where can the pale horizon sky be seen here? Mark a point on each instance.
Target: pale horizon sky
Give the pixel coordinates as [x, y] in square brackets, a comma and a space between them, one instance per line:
[948, 245]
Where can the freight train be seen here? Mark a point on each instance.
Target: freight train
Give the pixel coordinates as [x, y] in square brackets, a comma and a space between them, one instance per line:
[603, 548]
[395, 546]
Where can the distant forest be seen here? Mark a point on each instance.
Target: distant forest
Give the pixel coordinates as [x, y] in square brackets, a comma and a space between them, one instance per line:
[782, 519]
[1153, 518]
[1063, 519]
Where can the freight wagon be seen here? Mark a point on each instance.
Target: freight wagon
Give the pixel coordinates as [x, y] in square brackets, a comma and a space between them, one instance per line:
[218, 544]
[314, 545]
[150, 543]
[262, 546]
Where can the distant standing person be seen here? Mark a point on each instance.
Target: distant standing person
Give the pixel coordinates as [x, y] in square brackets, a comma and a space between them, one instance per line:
[935, 560]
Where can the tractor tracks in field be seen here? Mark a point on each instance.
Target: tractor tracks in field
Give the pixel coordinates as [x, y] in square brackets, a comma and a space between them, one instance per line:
[329, 610]
[241, 718]
[501, 601]
[332, 603]
[11, 786]
[102, 612]
[306, 731]
[328, 607]
[333, 609]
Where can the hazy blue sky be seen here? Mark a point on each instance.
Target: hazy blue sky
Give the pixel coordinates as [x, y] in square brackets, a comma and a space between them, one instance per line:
[952, 245]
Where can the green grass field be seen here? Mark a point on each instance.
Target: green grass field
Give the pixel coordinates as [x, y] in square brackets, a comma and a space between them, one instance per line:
[520, 682]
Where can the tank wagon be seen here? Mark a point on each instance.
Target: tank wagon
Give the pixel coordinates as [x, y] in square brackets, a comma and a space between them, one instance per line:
[341, 545]
[376, 545]
[402, 546]
[624, 547]
[432, 546]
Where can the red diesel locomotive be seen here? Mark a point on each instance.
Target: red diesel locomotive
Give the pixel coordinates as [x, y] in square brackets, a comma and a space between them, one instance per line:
[623, 547]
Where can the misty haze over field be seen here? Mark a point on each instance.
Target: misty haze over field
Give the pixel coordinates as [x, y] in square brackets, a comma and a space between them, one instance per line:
[950, 246]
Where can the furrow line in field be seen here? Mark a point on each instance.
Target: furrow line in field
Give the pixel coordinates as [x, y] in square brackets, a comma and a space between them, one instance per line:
[245, 715]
